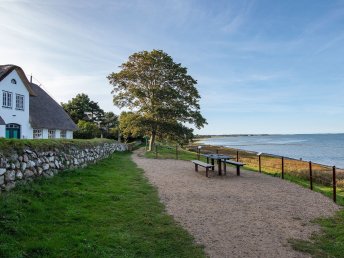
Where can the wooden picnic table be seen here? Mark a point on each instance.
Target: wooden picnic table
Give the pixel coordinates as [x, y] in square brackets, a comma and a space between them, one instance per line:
[220, 158]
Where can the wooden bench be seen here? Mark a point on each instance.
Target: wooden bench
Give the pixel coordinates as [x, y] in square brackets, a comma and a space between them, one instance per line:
[237, 164]
[202, 164]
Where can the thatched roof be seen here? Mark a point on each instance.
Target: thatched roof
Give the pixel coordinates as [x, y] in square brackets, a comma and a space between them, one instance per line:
[7, 69]
[45, 112]
[2, 122]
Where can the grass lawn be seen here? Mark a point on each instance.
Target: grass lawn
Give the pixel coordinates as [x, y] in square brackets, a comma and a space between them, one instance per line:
[166, 152]
[329, 243]
[105, 210]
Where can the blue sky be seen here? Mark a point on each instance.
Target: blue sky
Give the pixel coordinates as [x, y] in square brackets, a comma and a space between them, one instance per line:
[261, 66]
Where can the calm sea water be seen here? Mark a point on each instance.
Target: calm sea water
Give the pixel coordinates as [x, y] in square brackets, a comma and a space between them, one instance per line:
[326, 149]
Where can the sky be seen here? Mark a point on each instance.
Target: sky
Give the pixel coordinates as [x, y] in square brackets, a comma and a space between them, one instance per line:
[262, 66]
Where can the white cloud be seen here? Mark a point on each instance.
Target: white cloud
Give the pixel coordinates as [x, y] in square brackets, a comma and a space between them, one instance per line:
[238, 20]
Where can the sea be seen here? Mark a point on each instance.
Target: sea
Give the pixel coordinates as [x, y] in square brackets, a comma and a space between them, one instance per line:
[327, 149]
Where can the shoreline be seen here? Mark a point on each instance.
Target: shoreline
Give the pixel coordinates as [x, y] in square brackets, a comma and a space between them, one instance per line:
[258, 134]
[319, 149]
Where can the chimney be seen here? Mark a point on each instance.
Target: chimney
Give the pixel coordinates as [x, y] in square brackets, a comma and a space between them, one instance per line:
[31, 78]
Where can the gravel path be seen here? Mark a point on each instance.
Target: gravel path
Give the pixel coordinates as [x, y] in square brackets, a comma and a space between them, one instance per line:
[253, 215]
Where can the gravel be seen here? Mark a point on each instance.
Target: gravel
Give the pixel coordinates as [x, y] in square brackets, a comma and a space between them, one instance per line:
[251, 215]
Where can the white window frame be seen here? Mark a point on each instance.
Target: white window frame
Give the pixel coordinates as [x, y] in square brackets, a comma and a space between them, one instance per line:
[51, 134]
[63, 134]
[7, 99]
[19, 102]
[37, 134]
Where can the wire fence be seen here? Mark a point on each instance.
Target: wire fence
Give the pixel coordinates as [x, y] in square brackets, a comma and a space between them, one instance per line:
[316, 176]
[167, 151]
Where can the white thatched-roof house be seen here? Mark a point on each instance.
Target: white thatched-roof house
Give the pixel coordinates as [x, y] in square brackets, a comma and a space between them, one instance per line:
[27, 111]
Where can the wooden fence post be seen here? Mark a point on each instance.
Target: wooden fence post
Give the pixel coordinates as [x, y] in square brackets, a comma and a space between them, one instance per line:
[260, 163]
[156, 151]
[334, 184]
[237, 157]
[282, 167]
[198, 153]
[310, 175]
[176, 151]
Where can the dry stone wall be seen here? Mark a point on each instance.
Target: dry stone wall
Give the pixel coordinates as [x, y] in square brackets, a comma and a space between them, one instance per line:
[25, 165]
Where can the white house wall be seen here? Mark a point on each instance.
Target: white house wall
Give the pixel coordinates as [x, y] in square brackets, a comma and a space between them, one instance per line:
[11, 115]
[2, 131]
[69, 134]
[45, 134]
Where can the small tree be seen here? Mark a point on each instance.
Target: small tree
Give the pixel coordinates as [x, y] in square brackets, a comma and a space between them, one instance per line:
[87, 130]
[110, 125]
[161, 92]
[130, 125]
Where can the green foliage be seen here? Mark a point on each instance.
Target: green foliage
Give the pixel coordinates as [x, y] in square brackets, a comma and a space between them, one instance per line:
[130, 125]
[87, 130]
[161, 92]
[109, 125]
[87, 115]
[105, 210]
[9, 145]
[82, 108]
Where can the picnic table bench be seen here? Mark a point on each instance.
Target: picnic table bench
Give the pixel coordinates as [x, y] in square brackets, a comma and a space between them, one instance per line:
[237, 164]
[202, 164]
[220, 158]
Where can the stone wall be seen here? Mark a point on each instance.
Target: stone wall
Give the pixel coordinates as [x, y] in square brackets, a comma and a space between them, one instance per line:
[27, 163]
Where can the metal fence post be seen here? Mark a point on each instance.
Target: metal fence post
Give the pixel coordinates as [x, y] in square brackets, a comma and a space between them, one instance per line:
[334, 184]
[310, 175]
[282, 167]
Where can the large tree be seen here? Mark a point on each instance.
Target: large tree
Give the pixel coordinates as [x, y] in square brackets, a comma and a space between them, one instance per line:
[160, 91]
[82, 108]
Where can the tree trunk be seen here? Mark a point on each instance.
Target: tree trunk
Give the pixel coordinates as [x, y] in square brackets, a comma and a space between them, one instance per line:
[151, 141]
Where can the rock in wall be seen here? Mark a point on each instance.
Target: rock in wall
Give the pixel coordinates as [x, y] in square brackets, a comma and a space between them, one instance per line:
[26, 164]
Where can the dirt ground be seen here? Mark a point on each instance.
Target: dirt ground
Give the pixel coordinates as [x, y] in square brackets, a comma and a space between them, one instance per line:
[251, 215]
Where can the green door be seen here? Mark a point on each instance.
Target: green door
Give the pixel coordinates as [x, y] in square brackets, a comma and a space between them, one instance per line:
[13, 131]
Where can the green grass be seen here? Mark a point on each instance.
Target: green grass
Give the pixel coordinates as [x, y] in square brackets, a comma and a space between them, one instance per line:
[105, 210]
[329, 243]
[8, 145]
[167, 152]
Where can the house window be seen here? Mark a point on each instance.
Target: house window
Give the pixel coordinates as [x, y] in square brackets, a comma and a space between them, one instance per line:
[37, 133]
[51, 134]
[13, 81]
[63, 134]
[19, 102]
[7, 99]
